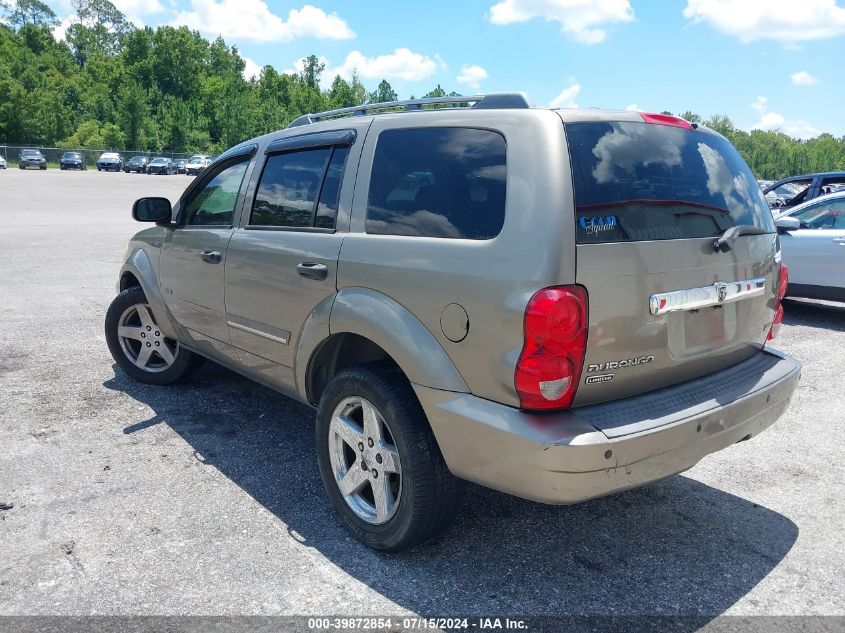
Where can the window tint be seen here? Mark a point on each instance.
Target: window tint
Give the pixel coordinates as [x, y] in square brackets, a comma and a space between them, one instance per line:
[289, 187]
[438, 182]
[825, 215]
[299, 189]
[637, 181]
[215, 202]
[330, 193]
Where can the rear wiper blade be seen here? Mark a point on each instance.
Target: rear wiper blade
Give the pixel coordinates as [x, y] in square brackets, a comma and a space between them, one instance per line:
[726, 242]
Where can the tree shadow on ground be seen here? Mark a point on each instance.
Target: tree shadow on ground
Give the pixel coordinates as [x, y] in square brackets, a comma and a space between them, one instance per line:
[677, 547]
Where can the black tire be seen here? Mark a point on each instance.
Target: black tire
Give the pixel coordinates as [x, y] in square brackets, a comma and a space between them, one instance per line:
[184, 364]
[44, 167]
[430, 494]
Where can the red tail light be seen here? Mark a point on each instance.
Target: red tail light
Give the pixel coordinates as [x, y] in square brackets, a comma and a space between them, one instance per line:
[666, 119]
[549, 367]
[783, 283]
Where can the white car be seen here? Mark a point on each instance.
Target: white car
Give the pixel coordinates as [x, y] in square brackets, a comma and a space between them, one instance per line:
[196, 164]
[812, 243]
[2, 162]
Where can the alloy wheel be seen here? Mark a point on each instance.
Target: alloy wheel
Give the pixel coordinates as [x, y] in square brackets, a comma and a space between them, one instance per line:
[142, 341]
[365, 460]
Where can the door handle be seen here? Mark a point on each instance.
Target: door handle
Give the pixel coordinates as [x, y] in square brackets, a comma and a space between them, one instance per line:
[211, 257]
[312, 270]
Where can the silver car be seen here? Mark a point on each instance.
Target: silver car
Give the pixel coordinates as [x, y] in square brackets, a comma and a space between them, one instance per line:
[813, 244]
[559, 304]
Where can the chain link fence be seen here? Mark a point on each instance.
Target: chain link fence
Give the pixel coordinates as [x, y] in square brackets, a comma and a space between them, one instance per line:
[12, 154]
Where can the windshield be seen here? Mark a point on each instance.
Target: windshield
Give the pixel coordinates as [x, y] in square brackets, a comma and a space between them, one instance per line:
[638, 181]
[71, 155]
[115, 156]
[196, 159]
[29, 153]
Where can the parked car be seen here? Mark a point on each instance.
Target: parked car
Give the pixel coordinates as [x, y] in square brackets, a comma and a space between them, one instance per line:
[557, 304]
[181, 164]
[2, 162]
[798, 189]
[72, 160]
[110, 161]
[32, 158]
[196, 164]
[812, 243]
[161, 165]
[138, 164]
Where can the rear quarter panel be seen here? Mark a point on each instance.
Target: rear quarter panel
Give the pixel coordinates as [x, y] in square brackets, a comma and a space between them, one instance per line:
[491, 279]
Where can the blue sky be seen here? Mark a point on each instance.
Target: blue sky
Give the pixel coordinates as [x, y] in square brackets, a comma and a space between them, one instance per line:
[764, 63]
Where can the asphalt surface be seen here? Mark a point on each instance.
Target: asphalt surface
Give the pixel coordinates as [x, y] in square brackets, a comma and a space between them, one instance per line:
[205, 498]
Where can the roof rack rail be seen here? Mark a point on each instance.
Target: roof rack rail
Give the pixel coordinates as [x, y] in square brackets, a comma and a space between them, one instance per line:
[498, 101]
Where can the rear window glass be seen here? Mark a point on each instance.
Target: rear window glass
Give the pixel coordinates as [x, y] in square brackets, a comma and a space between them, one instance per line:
[638, 181]
[438, 182]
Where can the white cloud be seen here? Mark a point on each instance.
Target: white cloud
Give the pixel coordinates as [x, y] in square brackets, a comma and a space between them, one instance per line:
[252, 20]
[633, 108]
[579, 19]
[60, 30]
[776, 122]
[136, 9]
[402, 64]
[803, 78]
[782, 20]
[472, 76]
[251, 69]
[566, 99]
[760, 104]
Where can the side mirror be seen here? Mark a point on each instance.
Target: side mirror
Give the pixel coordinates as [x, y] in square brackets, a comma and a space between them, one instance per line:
[152, 210]
[787, 223]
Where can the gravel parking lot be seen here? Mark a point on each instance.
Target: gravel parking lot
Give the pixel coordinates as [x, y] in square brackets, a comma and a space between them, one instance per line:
[205, 498]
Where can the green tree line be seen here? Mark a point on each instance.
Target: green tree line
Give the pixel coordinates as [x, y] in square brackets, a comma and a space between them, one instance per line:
[111, 85]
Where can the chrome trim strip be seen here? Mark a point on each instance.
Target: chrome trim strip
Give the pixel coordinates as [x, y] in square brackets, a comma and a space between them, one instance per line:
[267, 335]
[694, 298]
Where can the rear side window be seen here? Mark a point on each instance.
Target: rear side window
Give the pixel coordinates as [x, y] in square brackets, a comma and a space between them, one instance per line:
[438, 182]
[638, 181]
[300, 189]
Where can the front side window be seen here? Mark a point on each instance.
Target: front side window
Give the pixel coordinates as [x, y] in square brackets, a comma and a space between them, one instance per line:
[824, 215]
[438, 182]
[215, 203]
[300, 189]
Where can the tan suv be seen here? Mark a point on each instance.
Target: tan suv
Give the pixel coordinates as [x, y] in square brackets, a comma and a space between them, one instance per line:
[559, 304]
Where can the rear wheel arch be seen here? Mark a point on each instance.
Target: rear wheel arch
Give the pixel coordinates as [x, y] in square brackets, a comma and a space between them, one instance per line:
[338, 352]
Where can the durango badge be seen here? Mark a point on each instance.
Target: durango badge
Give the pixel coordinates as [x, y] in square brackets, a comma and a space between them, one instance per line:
[619, 364]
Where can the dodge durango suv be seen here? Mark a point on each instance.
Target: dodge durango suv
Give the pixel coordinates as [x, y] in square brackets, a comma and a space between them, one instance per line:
[558, 304]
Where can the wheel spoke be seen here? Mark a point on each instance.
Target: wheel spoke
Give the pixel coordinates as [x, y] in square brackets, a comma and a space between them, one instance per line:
[165, 353]
[383, 496]
[145, 316]
[144, 356]
[389, 458]
[130, 331]
[353, 480]
[348, 432]
[372, 426]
